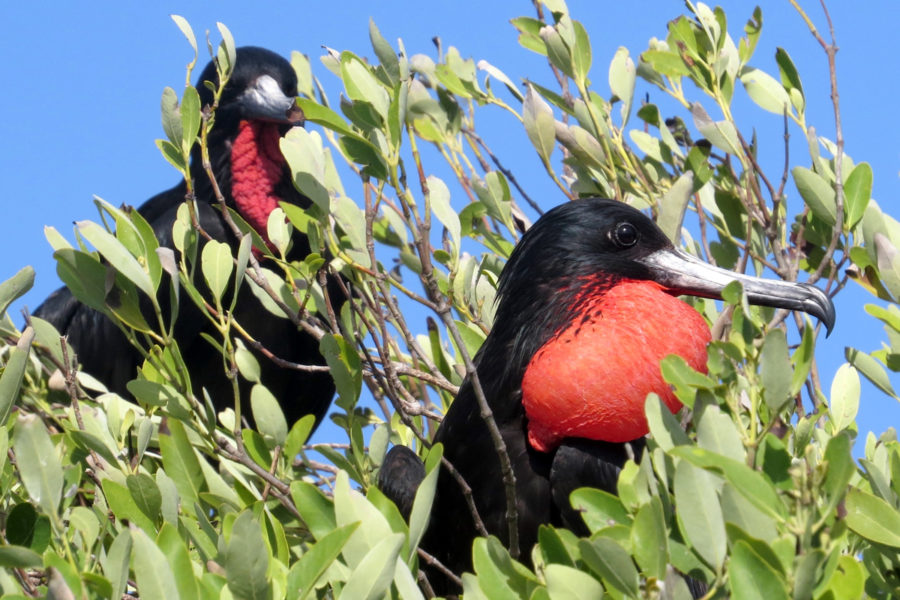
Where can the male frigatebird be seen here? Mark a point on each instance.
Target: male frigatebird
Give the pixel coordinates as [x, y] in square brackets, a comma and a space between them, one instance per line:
[256, 109]
[587, 308]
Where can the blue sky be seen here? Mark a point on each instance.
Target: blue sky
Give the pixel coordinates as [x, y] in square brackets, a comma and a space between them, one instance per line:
[82, 85]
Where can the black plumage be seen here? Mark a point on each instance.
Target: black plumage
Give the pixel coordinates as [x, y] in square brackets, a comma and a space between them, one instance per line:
[257, 107]
[573, 255]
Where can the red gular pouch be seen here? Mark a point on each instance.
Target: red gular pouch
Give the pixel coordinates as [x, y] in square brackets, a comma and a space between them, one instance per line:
[256, 166]
[592, 378]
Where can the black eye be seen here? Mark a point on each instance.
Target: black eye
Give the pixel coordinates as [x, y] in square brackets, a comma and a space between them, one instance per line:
[625, 235]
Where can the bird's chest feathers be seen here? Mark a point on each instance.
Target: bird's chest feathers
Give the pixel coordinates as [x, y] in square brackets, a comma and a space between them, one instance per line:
[591, 379]
[256, 168]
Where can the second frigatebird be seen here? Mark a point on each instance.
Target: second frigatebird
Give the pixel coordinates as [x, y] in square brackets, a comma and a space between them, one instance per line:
[256, 109]
[587, 308]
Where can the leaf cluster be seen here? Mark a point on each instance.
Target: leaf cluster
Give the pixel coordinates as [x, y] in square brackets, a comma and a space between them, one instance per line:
[754, 492]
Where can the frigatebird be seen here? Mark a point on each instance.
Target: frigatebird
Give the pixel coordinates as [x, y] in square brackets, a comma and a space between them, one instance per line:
[256, 109]
[587, 307]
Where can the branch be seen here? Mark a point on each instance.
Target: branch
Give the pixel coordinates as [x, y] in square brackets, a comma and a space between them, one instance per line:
[830, 51]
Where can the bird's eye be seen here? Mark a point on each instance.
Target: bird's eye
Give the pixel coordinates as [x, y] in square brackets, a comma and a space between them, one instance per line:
[625, 235]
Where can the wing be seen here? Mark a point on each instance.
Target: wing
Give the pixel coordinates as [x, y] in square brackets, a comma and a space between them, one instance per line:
[586, 463]
[399, 478]
[102, 350]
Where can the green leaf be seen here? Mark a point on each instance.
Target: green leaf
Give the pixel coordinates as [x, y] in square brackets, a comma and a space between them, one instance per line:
[741, 513]
[15, 287]
[752, 484]
[185, 28]
[502, 77]
[25, 528]
[268, 415]
[315, 562]
[190, 118]
[840, 469]
[872, 518]
[649, 539]
[372, 577]
[802, 359]
[385, 53]
[172, 154]
[362, 85]
[227, 53]
[599, 508]
[765, 90]
[278, 230]
[171, 119]
[298, 435]
[556, 50]
[217, 265]
[181, 463]
[115, 566]
[247, 364]
[752, 578]
[537, 117]
[146, 494]
[857, 191]
[17, 557]
[581, 55]
[305, 155]
[151, 393]
[349, 507]
[38, 463]
[699, 513]
[664, 426]
[717, 433]
[124, 507]
[790, 79]
[622, 77]
[673, 204]
[247, 559]
[345, 367]
[13, 372]
[611, 561]
[151, 569]
[324, 116]
[116, 254]
[774, 371]
[420, 514]
[720, 134]
[844, 400]
[817, 193]
[499, 575]
[553, 548]
[665, 63]
[567, 583]
[406, 585]
[871, 369]
[317, 510]
[176, 552]
[439, 197]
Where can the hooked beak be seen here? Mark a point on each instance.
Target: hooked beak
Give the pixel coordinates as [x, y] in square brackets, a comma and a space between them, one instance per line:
[264, 100]
[682, 273]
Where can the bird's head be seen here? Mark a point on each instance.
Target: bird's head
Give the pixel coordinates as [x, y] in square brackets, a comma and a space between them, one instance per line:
[262, 86]
[588, 307]
[257, 107]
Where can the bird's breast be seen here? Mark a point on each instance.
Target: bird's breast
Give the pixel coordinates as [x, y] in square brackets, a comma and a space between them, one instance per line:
[591, 379]
[256, 168]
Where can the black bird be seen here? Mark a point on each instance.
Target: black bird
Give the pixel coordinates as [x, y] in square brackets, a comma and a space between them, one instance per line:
[587, 308]
[256, 109]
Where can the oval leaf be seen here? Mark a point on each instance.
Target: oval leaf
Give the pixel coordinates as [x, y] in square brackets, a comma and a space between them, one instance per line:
[844, 401]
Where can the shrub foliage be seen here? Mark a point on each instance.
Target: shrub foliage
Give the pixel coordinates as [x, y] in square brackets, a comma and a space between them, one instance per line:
[757, 493]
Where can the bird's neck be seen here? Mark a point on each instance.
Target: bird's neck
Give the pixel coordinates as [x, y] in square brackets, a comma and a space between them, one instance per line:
[257, 166]
[591, 378]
